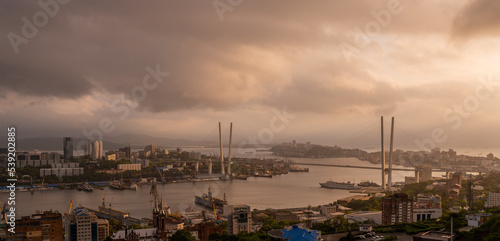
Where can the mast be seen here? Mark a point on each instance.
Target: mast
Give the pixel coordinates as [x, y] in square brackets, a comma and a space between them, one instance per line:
[230, 147]
[389, 178]
[382, 158]
[221, 151]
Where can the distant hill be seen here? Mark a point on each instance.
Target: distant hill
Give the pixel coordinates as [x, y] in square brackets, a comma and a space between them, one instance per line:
[114, 142]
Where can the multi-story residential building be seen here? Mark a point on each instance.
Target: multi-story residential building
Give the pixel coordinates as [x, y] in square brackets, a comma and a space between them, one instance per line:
[61, 170]
[397, 208]
[44, 226]
[238, 218]
[150, 148]
[426, 207]
[493, 200]
[129, 167]
[97, 148]
[456, 178]
[37, 159]
[68, 149]
[82, 225]
[127, 151]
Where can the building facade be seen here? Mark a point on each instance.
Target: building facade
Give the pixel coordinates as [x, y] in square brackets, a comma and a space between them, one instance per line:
[426, 207]
[238, 218]
[129, 167]
[45, 226]
[37, 159]
[82, 225]
[97, 148]
[68, 149]
[397, 208]
[493, 200]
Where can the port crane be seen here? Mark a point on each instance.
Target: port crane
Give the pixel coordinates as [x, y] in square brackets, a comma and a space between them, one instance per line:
[162, 179]
[70, 206]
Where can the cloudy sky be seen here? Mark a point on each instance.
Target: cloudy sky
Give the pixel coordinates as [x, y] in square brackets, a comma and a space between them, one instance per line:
[279, 70]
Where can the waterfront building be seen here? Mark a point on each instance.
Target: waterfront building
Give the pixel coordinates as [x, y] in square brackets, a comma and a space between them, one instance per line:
[397, 208]
[61, 170]
[238, 218]
[129, 167]
[68, 149]
[426, 207]
[42, 226]
[82, 225]
[493, 200]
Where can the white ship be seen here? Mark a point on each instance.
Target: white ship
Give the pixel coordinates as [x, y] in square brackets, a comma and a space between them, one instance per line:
[339, 185]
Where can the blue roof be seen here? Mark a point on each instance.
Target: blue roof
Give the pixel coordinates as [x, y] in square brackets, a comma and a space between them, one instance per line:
[299, 234]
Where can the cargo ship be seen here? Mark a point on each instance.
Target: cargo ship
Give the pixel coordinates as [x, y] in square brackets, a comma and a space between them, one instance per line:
[339, 185]
[207, 200]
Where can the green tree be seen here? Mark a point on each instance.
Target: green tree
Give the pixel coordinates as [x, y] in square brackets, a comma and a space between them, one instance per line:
[182, 235]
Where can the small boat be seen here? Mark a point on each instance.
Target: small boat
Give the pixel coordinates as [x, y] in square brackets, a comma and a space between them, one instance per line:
[133, 186]
[241, 177]
[87, 187]
[116, 185]
[263, 175]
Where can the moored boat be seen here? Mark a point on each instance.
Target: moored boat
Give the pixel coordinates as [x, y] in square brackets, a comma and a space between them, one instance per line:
[339, 185]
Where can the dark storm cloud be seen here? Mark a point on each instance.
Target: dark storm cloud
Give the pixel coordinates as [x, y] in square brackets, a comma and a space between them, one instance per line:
[478, 18]
[106, 46]
[254, 56]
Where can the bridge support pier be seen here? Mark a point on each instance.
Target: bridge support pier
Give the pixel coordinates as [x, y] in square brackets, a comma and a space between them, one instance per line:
[417, 176]
[447, 175]
[210, 167]
[197, 166]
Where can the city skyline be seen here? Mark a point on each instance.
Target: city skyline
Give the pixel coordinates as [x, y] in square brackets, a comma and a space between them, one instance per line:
[255, 63]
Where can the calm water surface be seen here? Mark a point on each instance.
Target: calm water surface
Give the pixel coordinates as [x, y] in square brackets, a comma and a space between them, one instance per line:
[291, 190]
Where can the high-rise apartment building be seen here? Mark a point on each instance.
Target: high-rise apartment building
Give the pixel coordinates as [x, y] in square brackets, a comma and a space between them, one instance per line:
[97, 150]
[397, 208]
[238, 218]
[68, 149]
[82, 225]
